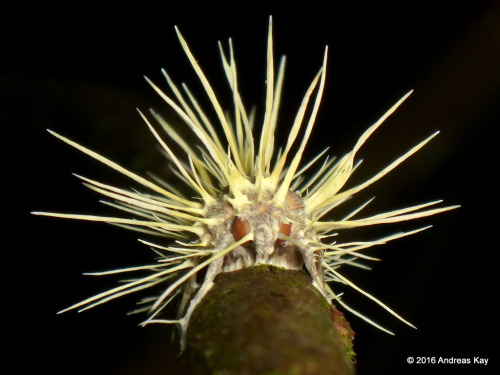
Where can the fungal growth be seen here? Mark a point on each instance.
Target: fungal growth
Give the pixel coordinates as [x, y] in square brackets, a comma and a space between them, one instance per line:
[255, 203]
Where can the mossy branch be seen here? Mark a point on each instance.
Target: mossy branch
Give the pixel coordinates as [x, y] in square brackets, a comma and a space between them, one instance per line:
[266, 320]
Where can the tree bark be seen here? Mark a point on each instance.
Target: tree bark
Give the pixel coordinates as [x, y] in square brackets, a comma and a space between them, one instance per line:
[266, 320]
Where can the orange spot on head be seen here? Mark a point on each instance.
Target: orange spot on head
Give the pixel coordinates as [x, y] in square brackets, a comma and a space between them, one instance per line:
[240, 228]
[285, 229]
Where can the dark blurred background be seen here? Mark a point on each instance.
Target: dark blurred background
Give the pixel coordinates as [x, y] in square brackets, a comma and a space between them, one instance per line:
[78, 69]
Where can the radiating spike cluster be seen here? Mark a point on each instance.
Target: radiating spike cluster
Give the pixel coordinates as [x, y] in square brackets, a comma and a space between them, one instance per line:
[250, 201]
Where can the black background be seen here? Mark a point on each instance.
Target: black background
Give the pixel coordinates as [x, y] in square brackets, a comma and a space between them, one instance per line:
[79, 70]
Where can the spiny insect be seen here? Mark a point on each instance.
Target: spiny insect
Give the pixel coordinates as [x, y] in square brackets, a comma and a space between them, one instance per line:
[254, 205]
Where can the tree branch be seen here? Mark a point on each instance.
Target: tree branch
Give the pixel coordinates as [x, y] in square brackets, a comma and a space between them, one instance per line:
[266, 320]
